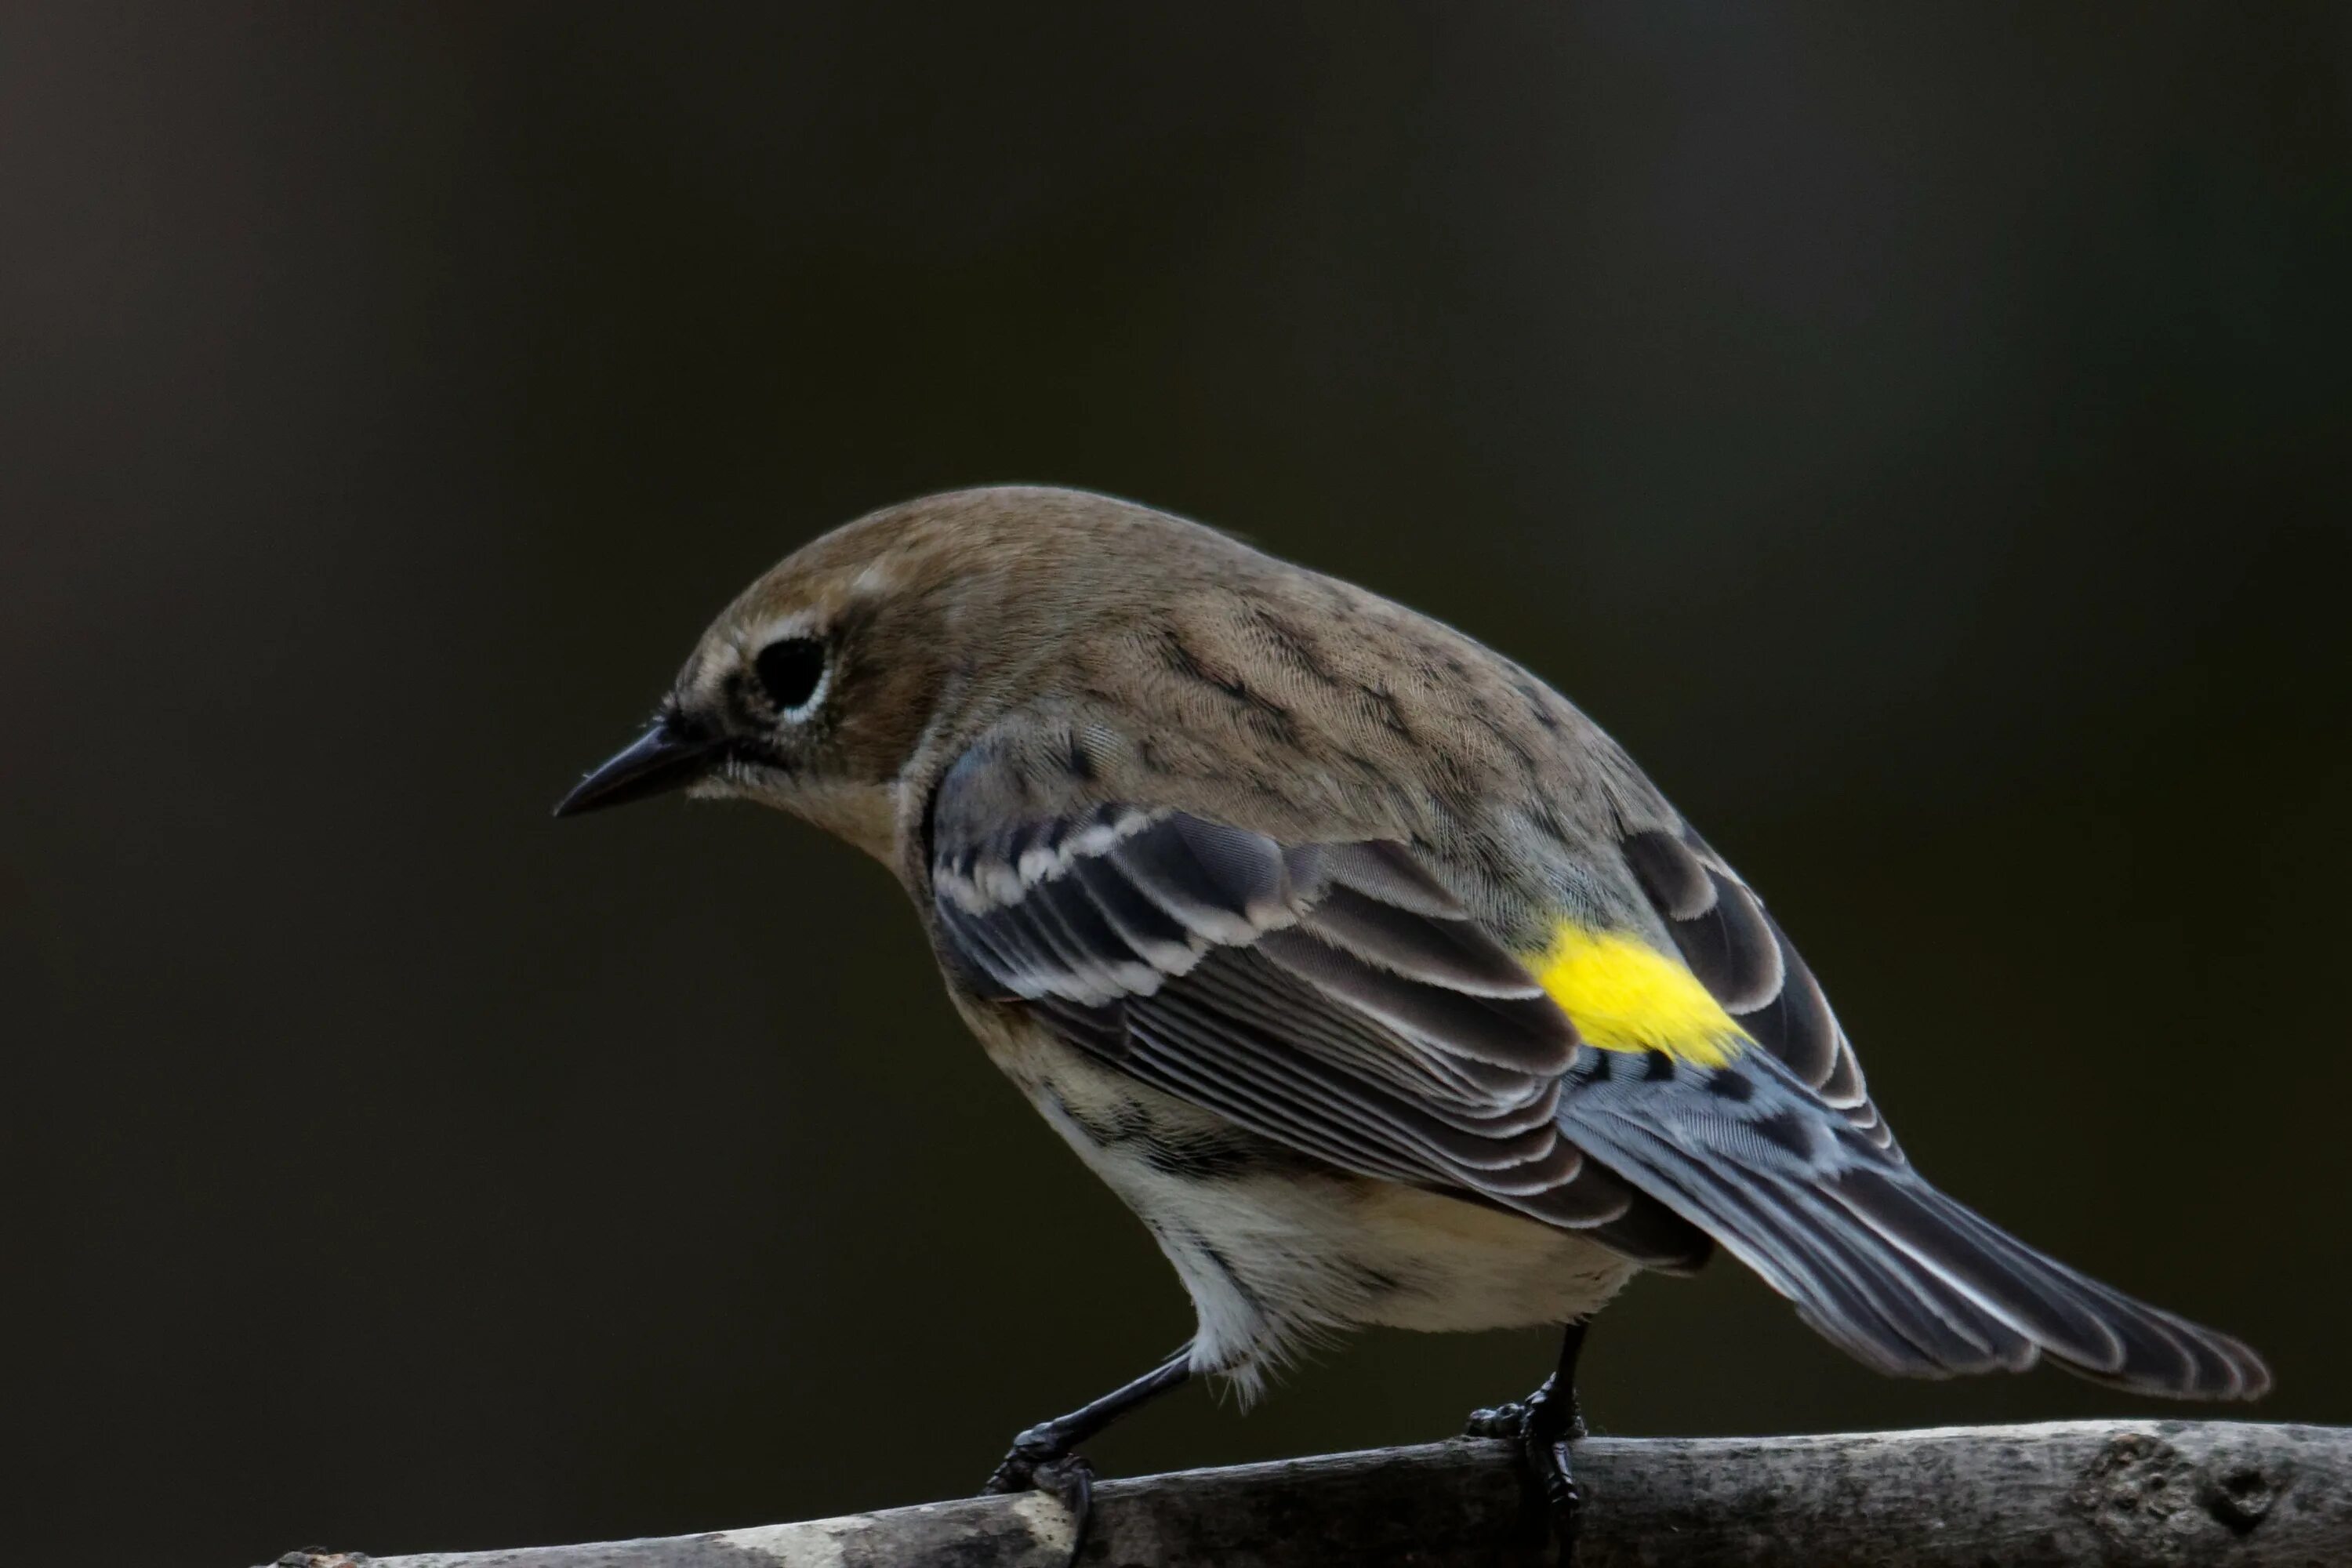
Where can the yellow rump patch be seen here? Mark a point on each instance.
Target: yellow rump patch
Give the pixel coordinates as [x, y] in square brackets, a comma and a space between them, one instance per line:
[1625, 995]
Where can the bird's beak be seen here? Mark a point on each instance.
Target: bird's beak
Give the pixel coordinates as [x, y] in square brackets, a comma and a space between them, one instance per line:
[666, 757]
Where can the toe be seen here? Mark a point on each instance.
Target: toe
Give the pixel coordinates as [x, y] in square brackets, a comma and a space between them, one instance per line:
[1500, 1421]
[1071, 1481]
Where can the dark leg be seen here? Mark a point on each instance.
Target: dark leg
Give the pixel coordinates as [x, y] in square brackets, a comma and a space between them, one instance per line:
[1042, 1456]
[1544, 1424]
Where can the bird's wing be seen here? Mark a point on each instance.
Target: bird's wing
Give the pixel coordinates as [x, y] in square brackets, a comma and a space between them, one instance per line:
[1332, 998]
[1747, 964]
[1337, 1000]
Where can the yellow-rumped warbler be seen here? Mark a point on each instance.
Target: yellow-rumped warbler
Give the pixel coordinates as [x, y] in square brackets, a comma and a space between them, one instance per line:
[1368, 971]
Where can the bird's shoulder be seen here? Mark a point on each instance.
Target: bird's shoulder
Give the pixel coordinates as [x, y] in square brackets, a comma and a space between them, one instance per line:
[1326, 670]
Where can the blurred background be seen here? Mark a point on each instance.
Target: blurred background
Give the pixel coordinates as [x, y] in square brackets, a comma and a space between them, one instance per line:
[1919, 433]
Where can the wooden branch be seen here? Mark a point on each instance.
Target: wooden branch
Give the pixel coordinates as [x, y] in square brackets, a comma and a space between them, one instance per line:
[2127, 1494]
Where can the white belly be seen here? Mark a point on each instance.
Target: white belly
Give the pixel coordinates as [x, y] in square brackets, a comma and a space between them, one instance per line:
[1277, 1250]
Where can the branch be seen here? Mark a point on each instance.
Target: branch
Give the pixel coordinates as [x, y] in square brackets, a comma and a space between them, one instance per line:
[2129, 1494]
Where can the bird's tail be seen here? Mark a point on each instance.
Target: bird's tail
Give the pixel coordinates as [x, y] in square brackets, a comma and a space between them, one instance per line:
[1892, 1270]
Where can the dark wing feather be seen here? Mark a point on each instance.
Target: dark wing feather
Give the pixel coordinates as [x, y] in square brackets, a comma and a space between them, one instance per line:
[1899, 1274]
[1740, 954]
[1784, 1158]
[1330, 997]
[1334, 999]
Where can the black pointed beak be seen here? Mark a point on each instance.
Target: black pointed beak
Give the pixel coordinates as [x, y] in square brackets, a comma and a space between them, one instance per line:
[663, 759]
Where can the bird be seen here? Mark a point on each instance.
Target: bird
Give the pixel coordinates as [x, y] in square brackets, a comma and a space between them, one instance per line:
[1370, 974]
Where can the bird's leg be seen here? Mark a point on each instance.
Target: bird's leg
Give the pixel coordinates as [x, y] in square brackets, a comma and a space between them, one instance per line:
[1543, 1424]
[1041, 1458]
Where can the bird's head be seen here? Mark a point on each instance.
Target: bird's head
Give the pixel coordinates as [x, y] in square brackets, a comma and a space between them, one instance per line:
[823, 688]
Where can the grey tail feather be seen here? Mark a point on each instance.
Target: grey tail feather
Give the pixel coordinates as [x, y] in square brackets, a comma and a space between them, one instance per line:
[1890, 1269]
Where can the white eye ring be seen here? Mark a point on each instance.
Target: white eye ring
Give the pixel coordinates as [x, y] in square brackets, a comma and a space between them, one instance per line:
[794, 672]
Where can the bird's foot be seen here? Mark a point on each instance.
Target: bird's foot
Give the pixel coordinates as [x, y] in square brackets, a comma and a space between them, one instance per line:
[1041, 1460]
[1543, 1424]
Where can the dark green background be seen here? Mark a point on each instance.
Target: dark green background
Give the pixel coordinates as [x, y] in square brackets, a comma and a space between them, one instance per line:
[1919, 434]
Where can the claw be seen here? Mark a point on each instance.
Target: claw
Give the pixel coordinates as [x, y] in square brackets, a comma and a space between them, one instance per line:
[1042, 1459]
[1544, 1424]
[1032, 1451]
[1038, 1462]
[1550, 1463]
[1072, 1481]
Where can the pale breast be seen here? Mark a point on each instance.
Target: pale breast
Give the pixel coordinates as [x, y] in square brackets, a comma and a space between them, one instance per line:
[1277, 1250]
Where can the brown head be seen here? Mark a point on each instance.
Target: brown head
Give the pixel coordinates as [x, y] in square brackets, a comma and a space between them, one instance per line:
[830, 682]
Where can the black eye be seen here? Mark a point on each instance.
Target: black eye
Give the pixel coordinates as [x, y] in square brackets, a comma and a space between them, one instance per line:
[791, 670]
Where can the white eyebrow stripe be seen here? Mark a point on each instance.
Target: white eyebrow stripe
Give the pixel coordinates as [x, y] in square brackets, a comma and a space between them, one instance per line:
[748, 640]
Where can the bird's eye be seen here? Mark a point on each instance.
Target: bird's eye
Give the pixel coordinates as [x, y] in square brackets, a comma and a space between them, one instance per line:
[790, 671]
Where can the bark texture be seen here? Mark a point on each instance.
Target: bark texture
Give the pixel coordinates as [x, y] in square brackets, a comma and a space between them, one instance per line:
[2125, 1494]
